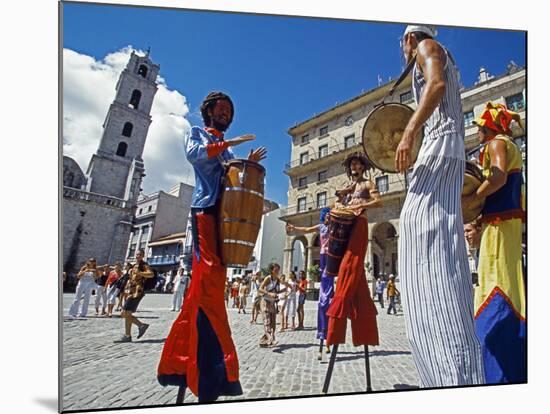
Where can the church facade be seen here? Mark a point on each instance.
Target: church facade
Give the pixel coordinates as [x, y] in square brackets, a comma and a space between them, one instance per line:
[99, 206]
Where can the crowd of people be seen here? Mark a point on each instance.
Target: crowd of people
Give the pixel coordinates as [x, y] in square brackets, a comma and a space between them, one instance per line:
[123, 287]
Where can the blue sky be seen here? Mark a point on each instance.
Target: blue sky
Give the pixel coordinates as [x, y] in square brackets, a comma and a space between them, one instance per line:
[278, 70]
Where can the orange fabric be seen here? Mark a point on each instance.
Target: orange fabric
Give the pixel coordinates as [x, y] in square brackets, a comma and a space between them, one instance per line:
[352, 298]
[179, 355]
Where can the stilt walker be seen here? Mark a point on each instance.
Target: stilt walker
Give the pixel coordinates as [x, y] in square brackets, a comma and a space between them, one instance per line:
[199, 352]
[346, 256]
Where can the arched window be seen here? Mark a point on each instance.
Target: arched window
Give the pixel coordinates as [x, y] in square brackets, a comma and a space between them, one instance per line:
[134, 100]
[127, 130]
[121, 150]
[142, 71]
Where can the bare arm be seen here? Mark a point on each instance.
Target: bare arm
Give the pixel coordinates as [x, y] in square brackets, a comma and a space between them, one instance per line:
[292, 228]
[498, 177]
[147, 273]
[431, 59]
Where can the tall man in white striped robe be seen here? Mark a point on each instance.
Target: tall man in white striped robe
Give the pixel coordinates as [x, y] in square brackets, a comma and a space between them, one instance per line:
[433, 264]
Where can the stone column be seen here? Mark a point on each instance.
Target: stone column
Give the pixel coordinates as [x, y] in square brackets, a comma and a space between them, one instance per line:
[309, 262]
[128, 247]
[287, 260]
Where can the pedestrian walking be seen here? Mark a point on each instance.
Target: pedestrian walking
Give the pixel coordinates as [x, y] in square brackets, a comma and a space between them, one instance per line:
[235, 292]
[135, 290]
[270, 289]
[255, 295]
[380, 286]
[392, 293]
[86, 283]
[243, 293]
[112, 289]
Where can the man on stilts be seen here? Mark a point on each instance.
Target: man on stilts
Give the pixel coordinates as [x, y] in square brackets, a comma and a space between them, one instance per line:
[199, 352]
[436, 283]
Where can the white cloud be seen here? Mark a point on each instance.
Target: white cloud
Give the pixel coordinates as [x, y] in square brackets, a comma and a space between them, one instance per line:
[89, 89]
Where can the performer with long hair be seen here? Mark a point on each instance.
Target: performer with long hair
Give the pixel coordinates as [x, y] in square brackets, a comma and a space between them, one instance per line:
[199, 352]
[433, 264]
[500, 298]
[352, 298]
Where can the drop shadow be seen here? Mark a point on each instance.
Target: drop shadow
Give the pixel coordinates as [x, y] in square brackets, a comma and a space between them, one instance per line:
[150, 341]
[360, 355]
[49, 403]
[279, 349]
[400, 387]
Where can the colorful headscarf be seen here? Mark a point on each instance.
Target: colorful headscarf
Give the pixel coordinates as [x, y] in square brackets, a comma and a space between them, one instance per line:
[498, 118]
[324, 212]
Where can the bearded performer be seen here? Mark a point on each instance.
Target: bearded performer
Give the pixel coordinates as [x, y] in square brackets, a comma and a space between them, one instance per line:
[199, 352]
[500, 298]
[352, 298]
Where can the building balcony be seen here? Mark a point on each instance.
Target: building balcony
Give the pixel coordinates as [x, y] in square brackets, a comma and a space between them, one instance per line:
[170, 259]
[316, 161]
[305, 209]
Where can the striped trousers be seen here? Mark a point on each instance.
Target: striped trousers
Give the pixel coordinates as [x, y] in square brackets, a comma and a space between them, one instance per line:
[435, 277]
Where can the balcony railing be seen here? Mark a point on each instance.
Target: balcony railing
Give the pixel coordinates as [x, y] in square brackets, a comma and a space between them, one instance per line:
[331, 150]
[169, 259]
[310, 206]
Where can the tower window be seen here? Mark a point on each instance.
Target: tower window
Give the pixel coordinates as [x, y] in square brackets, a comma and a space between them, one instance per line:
[142, 71]
[121, 150]
[134, 100]
[127, 130]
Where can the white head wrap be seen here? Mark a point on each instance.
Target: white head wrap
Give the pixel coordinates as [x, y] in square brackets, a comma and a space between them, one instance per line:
[429, 30]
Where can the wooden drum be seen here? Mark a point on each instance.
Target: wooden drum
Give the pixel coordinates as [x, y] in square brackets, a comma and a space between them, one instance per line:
[473, 178]
[382, 134]
[340, 226]
[241, 211]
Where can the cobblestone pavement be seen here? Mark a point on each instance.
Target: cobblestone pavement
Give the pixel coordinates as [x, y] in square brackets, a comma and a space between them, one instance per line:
[98, 373]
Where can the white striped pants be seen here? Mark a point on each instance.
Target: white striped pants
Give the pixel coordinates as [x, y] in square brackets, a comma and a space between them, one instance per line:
[435, 276]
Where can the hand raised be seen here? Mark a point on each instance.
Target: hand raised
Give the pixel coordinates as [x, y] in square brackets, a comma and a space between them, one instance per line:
[258, 154]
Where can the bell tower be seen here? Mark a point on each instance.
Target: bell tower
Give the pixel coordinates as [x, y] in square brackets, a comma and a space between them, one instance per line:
[117, 167]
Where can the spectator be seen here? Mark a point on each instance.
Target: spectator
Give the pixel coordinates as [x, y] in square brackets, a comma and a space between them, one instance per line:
[86, 283]
[101, 292]
[181, 283]
[111, 287]
[302, 286]
[380, 286]
[392, 292]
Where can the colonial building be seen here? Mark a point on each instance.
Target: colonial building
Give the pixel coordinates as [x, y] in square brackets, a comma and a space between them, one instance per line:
[158, 216]
[321, 143]
[98, 207]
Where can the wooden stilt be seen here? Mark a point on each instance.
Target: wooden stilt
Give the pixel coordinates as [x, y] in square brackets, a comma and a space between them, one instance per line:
[181, 394]
[367, 368]
[330, 368]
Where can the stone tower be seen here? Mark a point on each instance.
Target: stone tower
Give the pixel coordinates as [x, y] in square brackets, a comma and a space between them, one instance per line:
[99, 206]
[117, 168]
